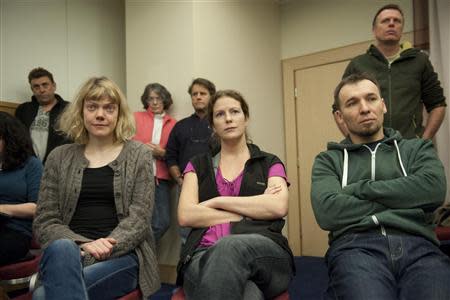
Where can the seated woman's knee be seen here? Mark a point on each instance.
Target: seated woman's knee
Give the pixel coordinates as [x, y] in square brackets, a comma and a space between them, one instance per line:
[235, 243]
[63, 247]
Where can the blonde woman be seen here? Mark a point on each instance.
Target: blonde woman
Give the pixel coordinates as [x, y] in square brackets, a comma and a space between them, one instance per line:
[95, 203]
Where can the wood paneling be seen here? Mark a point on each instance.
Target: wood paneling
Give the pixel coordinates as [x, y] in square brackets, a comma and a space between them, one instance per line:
[9, 107]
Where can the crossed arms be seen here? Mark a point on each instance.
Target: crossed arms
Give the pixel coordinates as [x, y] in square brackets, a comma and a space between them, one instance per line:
[273, 204]
[336, 207]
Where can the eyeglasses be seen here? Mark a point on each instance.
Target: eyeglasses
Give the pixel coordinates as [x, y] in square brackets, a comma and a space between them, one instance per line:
[157, 100]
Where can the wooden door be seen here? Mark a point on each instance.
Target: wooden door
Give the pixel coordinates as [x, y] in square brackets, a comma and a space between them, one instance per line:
[315, 127]
[308, 126]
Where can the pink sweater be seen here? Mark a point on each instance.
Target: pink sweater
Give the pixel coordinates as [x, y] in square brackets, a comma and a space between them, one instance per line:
[144, 131]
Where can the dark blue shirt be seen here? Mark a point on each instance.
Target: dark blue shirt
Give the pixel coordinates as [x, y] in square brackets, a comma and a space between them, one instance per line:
[19, 186]
[190, 136]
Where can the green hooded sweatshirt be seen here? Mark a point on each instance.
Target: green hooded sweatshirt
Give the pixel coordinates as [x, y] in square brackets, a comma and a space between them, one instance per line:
[395, 188]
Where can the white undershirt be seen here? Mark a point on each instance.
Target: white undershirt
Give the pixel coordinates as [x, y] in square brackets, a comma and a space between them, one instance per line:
[39, 132]
[156, 135]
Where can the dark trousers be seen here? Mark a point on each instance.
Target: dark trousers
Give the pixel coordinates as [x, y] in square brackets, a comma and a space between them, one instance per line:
[241, 266]
[14, 245]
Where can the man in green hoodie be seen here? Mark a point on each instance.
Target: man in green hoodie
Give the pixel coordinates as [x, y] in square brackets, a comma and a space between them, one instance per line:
[375, 193]
[406, 77]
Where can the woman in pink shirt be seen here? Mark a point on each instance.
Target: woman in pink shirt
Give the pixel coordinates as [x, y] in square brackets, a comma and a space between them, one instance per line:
[234, 198]
[153, 127]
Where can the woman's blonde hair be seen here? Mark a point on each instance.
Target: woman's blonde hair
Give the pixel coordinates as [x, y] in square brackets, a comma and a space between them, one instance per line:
[71, 121]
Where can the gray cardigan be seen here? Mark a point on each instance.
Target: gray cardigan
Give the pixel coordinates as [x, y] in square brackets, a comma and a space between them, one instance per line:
[133, 195]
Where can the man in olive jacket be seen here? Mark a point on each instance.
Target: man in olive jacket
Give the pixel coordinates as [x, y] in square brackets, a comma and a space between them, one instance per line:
[407, 78]
[375, 193]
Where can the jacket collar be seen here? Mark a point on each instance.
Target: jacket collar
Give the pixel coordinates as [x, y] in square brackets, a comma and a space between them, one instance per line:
[255, 152]
[390, 134]
[113, 165]
[166, 116]
[406, 51]
[59, 99]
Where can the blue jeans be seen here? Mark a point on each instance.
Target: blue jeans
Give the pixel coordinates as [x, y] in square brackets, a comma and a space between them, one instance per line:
[241, 266]
[161, 210]
[62, 275]
[372, 266]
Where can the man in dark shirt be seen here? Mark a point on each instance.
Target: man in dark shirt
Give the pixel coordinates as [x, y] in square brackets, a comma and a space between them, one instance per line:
[41, 113]
[191, 135]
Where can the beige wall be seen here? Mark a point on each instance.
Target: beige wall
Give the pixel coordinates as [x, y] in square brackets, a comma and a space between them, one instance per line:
[234, 44]
[309, 26]
[73, 39]
[159, 48]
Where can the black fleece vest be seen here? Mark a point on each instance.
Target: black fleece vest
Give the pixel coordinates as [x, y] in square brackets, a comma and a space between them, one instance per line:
[254, 182]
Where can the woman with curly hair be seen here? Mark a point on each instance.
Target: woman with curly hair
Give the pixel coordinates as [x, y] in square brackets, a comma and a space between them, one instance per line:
[153, 127]
[95, 203]
[20, 175]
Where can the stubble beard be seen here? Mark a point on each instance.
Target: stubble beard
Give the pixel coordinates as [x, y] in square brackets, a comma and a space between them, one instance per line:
[366, 132]
[46, 100]
[201, 110]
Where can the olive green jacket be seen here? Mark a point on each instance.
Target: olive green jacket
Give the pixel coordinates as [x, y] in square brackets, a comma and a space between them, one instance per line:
[406, 85]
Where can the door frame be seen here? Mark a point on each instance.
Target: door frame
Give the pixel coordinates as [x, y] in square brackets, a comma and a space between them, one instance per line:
[289, 67]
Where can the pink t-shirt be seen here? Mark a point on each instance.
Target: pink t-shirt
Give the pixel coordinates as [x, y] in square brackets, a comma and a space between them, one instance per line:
[229, 188]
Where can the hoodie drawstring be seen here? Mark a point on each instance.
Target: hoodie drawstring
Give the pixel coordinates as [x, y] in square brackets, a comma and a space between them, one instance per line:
[400, 158]
[345, 172]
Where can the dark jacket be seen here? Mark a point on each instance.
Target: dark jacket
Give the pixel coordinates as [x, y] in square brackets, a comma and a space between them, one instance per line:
[406, 85]
[394, 188]
[254, 182]
[26, 112]
[189, 137]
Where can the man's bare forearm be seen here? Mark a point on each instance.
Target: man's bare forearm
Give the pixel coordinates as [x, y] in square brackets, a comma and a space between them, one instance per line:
[435, 118]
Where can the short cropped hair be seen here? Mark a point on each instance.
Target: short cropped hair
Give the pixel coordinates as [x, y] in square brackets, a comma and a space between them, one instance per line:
[38, 73]
[97, 88]
[205, 83]
[387, 6]
[18, 146]
[351, 79]
[162, 92]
